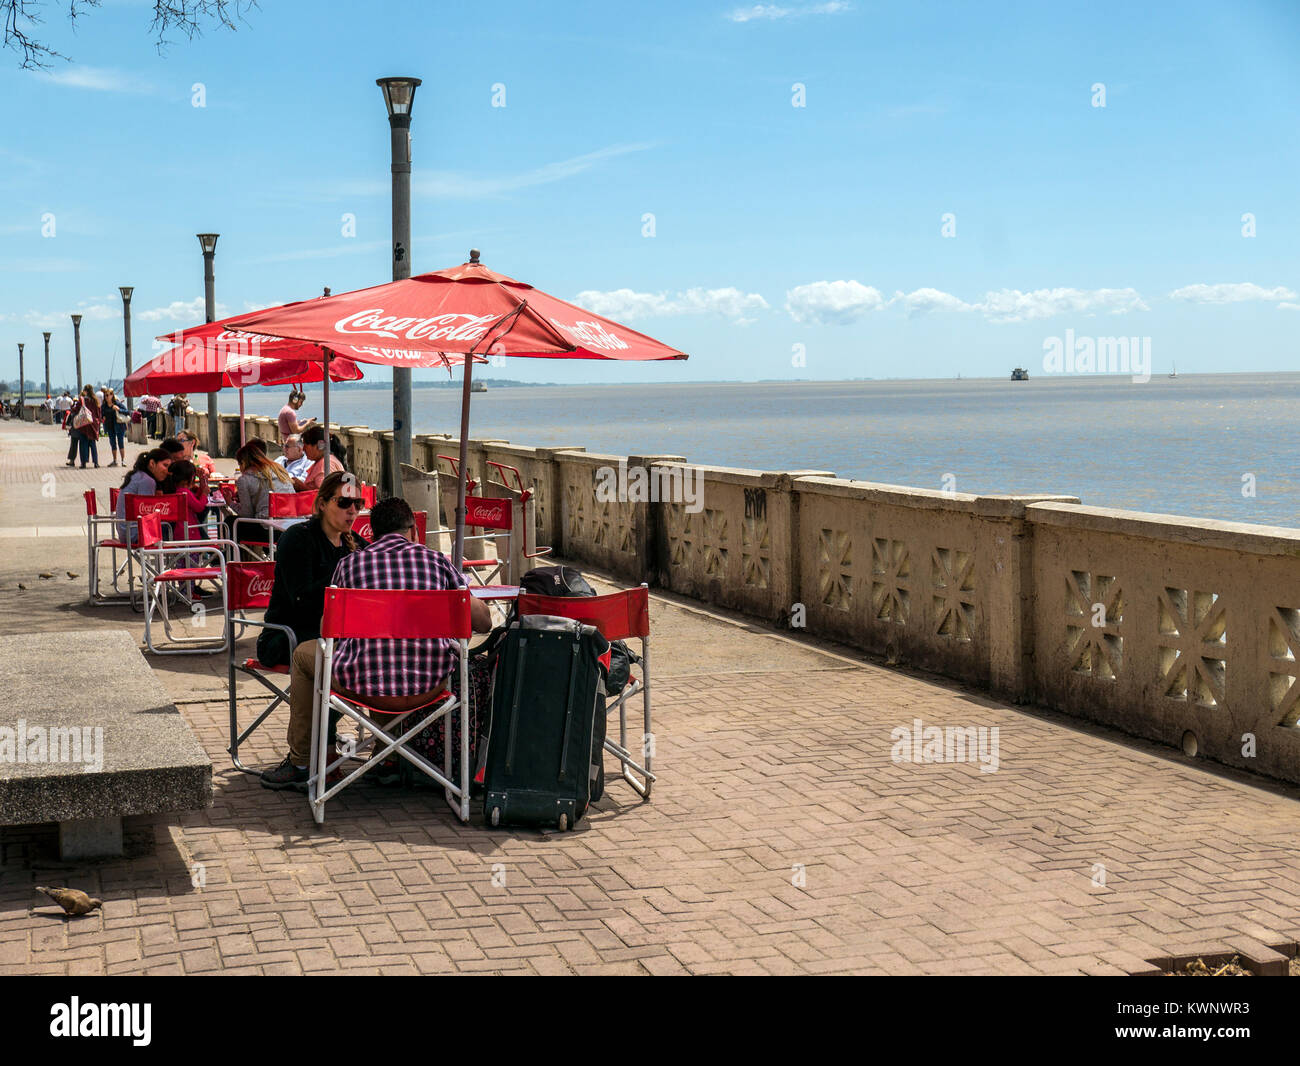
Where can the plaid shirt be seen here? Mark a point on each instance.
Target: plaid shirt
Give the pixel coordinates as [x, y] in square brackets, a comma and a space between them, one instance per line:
[395, 667]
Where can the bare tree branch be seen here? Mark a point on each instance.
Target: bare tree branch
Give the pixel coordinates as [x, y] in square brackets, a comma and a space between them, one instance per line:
[22, 18]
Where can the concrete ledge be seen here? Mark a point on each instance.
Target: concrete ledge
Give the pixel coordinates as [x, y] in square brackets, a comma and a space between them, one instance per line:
[1202, 532]
[88, 734]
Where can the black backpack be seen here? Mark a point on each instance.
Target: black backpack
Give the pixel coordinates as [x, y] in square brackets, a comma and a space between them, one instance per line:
[555, 581]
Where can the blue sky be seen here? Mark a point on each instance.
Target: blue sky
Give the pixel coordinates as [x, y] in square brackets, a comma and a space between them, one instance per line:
[775, 226]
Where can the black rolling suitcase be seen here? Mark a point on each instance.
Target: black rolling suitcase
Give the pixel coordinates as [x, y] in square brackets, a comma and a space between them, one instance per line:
[549, 689]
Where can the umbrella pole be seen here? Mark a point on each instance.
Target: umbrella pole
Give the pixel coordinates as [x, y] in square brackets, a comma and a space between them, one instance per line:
[328, 454]
[459, 556]
[243, 439]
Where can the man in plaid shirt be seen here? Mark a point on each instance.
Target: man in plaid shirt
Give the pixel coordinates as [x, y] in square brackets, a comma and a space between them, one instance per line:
[397, 560]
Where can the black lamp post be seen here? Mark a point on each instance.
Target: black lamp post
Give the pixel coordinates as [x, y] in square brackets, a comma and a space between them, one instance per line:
[208, 242]
[22, 385]
[47, 364]
[126, 291]
[399, 96]
[76, 341]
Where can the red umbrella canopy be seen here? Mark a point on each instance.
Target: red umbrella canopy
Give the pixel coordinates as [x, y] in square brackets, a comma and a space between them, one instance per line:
[234, 361]
[220, 335]
[466, 308]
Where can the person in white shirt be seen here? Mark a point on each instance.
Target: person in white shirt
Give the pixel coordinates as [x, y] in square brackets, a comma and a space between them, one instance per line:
[63, 403]
[294, 459]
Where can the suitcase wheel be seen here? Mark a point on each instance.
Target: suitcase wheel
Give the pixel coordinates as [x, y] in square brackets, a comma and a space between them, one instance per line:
[564, 821]
[495, 816]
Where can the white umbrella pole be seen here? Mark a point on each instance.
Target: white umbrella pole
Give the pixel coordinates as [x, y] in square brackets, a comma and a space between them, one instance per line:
[243, 439]
[328, 465]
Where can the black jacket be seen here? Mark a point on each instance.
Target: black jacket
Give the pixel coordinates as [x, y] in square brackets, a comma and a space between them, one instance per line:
[304, 568]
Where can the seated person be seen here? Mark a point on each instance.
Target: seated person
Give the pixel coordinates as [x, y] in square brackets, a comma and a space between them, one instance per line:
[390, 675]
[142, 479]
[258, 478]
[201, 460]
[182, 480]
[305, 558]
[294, 460]
[313, 443]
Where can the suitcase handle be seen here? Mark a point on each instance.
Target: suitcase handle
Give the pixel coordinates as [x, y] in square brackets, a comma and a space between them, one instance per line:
[568, 713]
[514, 705]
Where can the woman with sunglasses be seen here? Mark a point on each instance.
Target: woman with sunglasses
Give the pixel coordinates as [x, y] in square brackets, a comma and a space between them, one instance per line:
[305, 557]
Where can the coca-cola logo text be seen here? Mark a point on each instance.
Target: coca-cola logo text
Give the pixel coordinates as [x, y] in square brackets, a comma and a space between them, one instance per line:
[451, 327]
[495, 515]
[592, 335]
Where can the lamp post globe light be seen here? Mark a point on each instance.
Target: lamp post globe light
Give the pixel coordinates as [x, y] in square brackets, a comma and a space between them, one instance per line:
[208, 242]
[399, 96]
[126, 291]
[76, 342]
[47, 364]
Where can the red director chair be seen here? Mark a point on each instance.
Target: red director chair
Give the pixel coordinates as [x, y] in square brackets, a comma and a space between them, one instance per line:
[283, 510]
[618, 616]
[172, 565]
[390, 614]
[248, 588]
[361, 527]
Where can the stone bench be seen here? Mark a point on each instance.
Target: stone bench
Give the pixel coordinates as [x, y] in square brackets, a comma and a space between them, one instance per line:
[88, 736]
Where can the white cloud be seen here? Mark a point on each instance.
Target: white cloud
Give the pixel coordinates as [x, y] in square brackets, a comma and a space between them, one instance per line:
[772, 12]
[1288, 306]
[1231, 293]
[179, 311]
[1012, 305]
[625, 305]
[88, 312]
[832, 303]
[97, 79]
[924, 301]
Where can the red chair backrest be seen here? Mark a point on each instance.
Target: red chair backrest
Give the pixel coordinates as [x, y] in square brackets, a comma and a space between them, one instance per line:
[368, 494]
[113, 494]
[396, 614]
[248, 585]
[92, 507]
[291, 504]
[167, 508]
[489, 513]
[150, 530]
[618, 615]
[361, 527]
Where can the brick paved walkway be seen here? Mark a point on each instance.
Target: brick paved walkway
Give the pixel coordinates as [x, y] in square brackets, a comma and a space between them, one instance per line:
[781, 838]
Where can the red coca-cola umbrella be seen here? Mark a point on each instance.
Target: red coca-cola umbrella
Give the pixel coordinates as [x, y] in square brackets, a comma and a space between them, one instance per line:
[467, 309]
[214, 356]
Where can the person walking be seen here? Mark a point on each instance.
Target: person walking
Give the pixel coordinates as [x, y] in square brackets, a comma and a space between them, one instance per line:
[150, 407]
[178, 408]
[115, 416]
[85, 420]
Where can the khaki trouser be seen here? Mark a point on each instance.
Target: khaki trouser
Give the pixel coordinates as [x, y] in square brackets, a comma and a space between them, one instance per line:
[302, 678]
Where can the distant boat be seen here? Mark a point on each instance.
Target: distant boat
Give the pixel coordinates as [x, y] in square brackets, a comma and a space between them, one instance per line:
[1174, 372]
[1020, 374]
[477, 386]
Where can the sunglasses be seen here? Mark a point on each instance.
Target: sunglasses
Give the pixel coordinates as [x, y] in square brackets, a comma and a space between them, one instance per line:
[348, 503]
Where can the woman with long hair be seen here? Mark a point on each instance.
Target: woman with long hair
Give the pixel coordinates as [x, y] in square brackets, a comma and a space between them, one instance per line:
[150, 468]
[305, 557]
[258, 478]
[115, 416]
[85, 418]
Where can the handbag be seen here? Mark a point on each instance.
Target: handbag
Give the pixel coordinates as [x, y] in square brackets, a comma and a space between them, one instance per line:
[83, 418]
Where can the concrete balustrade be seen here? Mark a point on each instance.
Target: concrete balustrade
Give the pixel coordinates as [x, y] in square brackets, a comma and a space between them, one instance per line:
[1179, 630]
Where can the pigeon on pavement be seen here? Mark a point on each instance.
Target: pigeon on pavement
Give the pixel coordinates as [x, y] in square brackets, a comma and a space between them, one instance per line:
[72, 900]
